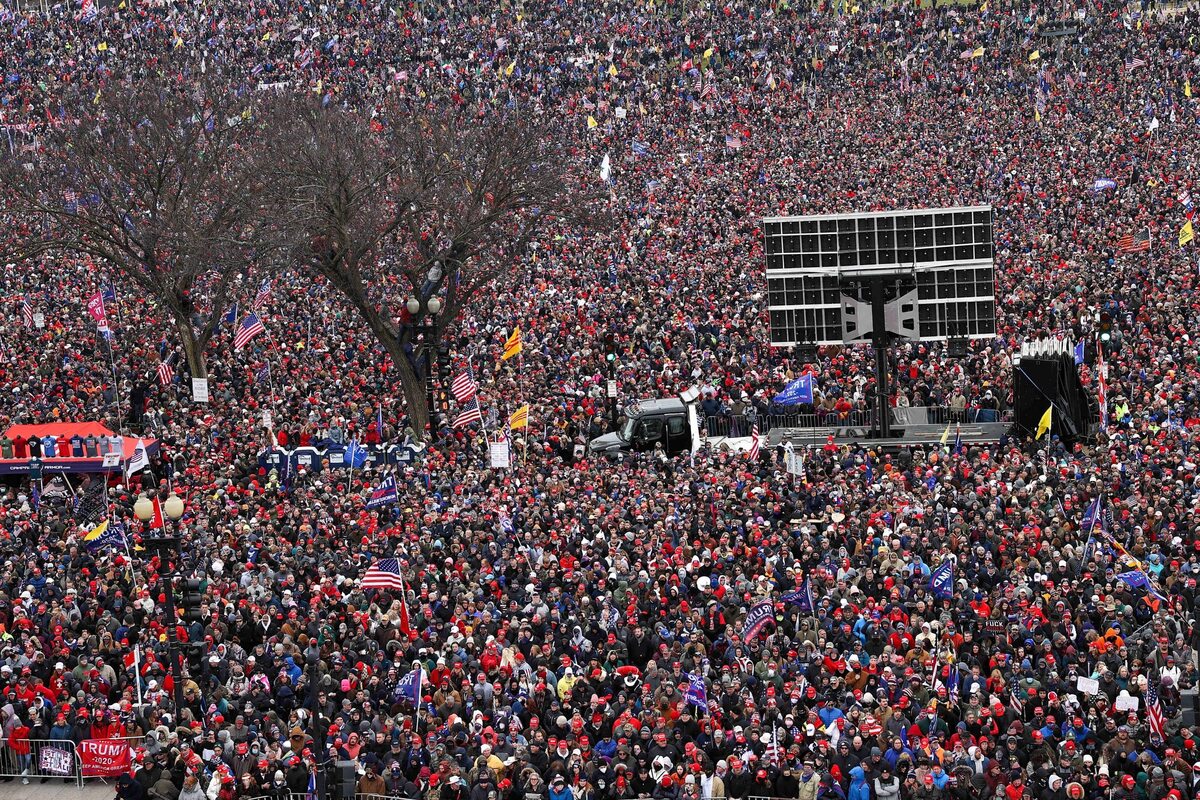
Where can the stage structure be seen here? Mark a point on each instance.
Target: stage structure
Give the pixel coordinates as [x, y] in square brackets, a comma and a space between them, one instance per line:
[878, 277]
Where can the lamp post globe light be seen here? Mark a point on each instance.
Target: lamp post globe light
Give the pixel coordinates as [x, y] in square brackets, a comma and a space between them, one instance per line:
[168, 550]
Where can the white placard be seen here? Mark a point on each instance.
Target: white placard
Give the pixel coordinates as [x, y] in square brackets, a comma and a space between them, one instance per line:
[1088, 686]
[500, 455]
[111, 460]
[612, 388]
[39, 319]
[200, 390]
[1127, 703]
[267, 419]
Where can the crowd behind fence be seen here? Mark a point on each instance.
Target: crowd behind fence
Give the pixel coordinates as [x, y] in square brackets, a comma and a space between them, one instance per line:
[742, 424]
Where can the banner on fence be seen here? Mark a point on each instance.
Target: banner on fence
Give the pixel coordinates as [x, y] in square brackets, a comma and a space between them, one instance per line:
[56, 761]
[104, 758]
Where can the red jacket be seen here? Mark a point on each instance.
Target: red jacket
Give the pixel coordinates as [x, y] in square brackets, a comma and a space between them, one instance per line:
[18, 740]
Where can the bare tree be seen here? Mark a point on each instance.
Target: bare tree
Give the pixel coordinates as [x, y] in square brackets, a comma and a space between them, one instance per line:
[151, 177]
[417, 205]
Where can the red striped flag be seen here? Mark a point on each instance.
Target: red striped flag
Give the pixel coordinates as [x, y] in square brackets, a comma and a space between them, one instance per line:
[166, 373]
[755, 442]
[251, 327]
[1134, 242]
[470, 413]
[1154, 714]
[26, 312]
[464, 387]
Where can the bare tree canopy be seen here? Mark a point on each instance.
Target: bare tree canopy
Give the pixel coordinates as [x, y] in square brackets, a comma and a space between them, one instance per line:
[428, 204]
[152, 178]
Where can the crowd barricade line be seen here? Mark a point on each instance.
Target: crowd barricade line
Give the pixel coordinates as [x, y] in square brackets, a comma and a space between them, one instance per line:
[47, 758]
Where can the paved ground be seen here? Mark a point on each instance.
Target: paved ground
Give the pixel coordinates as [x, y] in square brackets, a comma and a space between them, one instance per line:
[55, 790]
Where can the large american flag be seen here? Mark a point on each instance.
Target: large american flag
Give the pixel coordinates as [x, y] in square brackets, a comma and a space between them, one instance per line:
[26, 311]
[469, 414]
[251, 327]
[1134, 242]
[464, 387]
[1154, 714]
[384, 575]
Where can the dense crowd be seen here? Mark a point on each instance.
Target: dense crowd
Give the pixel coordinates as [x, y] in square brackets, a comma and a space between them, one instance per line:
[559, 611]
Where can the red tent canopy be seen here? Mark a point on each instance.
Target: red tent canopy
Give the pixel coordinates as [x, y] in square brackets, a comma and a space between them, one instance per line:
[83, 429]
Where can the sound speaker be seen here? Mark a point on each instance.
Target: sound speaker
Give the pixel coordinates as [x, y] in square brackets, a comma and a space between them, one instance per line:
[1189, 701]
[346, 783]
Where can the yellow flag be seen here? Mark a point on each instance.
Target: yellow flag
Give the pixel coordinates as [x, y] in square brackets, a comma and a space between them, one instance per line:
[1035, 55]
[1044, 423]
[1186, 233]
[983, 6]
[977, 52]
[946, 434]
[267, 36]
[102, 47]
[1037, 115]
[519, 418]
[178, 41]
[513, 345]
[509, 69]
[708, 54]
[1187, 87]
[612, 70]
[96, 532]
[122, 6]
[592, 122]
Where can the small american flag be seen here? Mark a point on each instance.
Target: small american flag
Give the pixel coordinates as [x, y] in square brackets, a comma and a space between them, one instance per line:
[755, 443]
[264, 293]
[384, 575]
[166, 372]
[733, 141]
[1133, 62]
[251, 327]
[464, 387]
[1134, 242]
[1154, 714]
[70, 202]
[26, 311]
[470, 413]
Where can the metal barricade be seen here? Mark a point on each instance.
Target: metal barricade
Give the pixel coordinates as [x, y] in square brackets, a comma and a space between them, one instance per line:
[47, 758]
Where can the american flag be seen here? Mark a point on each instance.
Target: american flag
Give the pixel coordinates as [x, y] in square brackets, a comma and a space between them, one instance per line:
[384, 575]
[1154, 714]
[26, 311]
[469, 414]
[755, 443]
[1133, 62]
[166, 372]
[464, 387]
[733, 141]
[251, 327]
[70, 202]
[264, 293]
[1134, 242]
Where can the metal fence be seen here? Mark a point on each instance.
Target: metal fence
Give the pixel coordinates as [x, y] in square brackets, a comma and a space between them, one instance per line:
[741, 424]
[47, 758]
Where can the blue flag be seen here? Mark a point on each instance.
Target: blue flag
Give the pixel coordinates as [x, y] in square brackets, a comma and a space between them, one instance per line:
[355, 455]
[112, 538]
[385, 494]
[696, 693]
[109, 293]
[802, 598]
[1079, 351]
[379, 421]
[797, 392]
[35, 497]
[941, 582]
[409, 688]
[1137, 579]
[1092, 514]
[958, 439]
[231, 315]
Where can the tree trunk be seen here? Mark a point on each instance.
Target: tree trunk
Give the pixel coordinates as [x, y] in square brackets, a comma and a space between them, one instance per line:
[193, 348]
[412, 387]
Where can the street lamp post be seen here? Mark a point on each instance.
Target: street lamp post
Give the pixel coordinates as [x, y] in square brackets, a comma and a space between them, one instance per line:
[420, 310]
[168, 548]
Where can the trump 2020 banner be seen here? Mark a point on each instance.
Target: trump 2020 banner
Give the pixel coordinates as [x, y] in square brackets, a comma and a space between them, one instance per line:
[104, 758]
[757, 619]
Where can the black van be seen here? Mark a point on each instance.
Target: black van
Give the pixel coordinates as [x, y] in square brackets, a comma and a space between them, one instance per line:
[649, 422]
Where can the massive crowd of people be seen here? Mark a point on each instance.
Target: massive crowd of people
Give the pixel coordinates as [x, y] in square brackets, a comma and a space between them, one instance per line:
[560, 610]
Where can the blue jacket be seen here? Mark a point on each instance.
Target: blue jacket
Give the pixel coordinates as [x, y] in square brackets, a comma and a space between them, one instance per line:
[859, 788]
